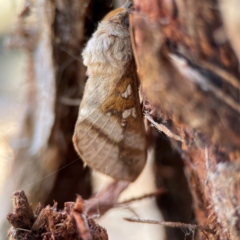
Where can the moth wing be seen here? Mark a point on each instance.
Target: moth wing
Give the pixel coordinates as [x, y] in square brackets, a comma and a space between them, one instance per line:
[110, 136]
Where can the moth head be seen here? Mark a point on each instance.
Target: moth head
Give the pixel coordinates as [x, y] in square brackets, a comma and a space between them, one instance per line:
[110, 45]
[119, 18]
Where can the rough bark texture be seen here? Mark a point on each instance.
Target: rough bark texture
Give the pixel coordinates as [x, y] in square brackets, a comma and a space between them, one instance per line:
[190, 84]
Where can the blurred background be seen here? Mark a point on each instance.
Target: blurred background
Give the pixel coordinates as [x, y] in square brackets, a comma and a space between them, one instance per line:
[12, 87]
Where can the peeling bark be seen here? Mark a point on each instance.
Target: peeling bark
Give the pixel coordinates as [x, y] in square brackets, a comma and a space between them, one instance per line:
[190, 86]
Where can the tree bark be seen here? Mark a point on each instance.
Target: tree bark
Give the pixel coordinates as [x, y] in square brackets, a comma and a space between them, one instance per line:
[188, 68]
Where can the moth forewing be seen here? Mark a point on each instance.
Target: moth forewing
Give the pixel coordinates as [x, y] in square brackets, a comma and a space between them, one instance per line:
[109, 133]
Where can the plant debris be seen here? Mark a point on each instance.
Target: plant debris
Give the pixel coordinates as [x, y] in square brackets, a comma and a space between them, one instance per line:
[75, 221]
[49, 223]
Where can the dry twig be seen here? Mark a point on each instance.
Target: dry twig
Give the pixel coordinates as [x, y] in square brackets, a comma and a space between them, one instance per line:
[172, 224]
[149, 195]
[163, 128]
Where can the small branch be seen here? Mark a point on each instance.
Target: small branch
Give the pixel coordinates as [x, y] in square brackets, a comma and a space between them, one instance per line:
[149, 195]
[171, 224]
[163, 128]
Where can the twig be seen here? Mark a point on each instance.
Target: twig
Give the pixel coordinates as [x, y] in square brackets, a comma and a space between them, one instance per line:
[171, 224]
[163, 128]
[149, 195]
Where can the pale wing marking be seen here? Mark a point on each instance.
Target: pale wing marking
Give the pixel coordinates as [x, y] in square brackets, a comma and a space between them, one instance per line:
[87, 116]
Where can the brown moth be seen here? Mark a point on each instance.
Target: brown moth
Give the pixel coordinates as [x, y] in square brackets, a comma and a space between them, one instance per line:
[109, 133]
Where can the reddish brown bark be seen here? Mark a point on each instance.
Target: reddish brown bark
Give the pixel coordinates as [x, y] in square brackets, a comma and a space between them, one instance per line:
[190, 83]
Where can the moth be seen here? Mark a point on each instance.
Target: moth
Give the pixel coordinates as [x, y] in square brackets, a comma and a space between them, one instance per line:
[109, 133]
